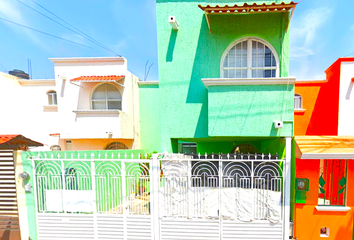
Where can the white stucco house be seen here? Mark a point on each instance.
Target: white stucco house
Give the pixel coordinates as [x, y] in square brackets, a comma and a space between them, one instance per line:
[92, 104]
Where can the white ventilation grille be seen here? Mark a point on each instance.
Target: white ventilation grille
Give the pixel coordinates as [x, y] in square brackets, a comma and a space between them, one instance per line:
[8, 201]
[68, 226]
[139, 227]
[251, 230]
[189, 229]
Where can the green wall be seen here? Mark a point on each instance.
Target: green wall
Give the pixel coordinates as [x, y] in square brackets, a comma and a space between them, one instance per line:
[250, 110]
[149, 117]
[190, 54]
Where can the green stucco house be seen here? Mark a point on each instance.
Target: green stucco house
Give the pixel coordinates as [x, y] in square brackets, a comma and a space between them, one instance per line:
[223, 85]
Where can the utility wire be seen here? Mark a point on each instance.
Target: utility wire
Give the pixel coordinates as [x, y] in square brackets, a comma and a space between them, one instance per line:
[3, 67]
[48, 34]
[77, 31]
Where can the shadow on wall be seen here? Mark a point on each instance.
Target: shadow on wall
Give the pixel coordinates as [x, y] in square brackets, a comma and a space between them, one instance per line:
[210, 47]
[171, 46]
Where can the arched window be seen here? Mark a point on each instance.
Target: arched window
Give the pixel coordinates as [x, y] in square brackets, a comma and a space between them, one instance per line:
[52, 97]
[106, 96]
[245, 149]
[116, 146]
[249, 58]
[297, 101]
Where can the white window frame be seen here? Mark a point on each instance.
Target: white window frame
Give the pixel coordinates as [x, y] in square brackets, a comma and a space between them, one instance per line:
[121, 98]
[298, 96]
[53, 96]
[249, 56]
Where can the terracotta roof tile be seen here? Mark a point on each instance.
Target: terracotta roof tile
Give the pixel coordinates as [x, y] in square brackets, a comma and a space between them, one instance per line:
[6, 138]
[109, 78]
[54, 134]
[248, 8]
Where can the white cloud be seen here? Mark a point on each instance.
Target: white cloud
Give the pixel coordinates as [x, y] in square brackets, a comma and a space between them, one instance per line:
[306, 41]
[305, 32]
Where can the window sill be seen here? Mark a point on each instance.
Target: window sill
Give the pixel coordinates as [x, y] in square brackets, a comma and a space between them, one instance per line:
[299, 111]
[97, 111]
[50, 108]
[332, 209]
[247, 81]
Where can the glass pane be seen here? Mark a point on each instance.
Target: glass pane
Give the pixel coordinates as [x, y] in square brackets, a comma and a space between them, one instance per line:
[244, 54]
[50, 99]
[297, 102]
[99, 105]
[112, 92]
[238, 73]
[55, 98]
[267, 73]
[267, 57]
[232, 73]
[238, 56]
[115, 105]
[254, 54]
[226, 61]
[260, 55]
[100, 92]
[244, 73]
[226, 73]
[273, 73]
[274, 63]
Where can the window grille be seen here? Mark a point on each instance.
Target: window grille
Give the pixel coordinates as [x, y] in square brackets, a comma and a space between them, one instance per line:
[332, 182]
[250, 58]
[106, 96]
[298, 101]
[52, 98]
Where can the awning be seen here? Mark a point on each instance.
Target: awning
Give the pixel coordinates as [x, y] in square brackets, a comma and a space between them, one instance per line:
[17, 141]
[109, 78]
[247, 9]
[324, 147]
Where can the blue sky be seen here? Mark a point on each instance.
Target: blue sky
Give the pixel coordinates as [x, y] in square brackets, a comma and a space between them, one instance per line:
[321, 31]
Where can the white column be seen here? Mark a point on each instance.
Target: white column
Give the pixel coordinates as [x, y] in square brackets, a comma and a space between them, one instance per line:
[286, 190]
[155, 177]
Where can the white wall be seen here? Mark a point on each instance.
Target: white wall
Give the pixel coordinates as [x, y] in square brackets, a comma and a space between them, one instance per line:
[346, 100]
[23, 108]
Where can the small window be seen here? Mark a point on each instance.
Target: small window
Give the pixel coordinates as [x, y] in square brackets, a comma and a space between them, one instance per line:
[189, 148]
[52, 98]
[116, 146]
[332, 182]
[55, 148]
[68, 145]
[245, 149]
[106, 96]
[250, 58]
[298, 101]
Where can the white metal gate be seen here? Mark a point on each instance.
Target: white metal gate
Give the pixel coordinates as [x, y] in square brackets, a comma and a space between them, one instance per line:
[92, 197]
[221, 197]
[169, 197]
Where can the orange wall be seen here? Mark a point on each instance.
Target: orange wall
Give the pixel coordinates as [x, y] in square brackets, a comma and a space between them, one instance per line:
[308, 220]
[309, 95]
[95, 144]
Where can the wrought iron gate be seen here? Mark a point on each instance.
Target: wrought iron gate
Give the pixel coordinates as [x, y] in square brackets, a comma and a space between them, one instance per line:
[92, 197]
[221, 197]
[169, 197]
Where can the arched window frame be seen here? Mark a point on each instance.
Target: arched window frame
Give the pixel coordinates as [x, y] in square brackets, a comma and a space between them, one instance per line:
[114, 146]
[52, 98]
[97, 86]
[298, 96]
[249, 55]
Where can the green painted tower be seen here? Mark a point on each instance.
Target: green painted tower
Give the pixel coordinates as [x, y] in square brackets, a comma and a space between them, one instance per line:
[223, 78]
